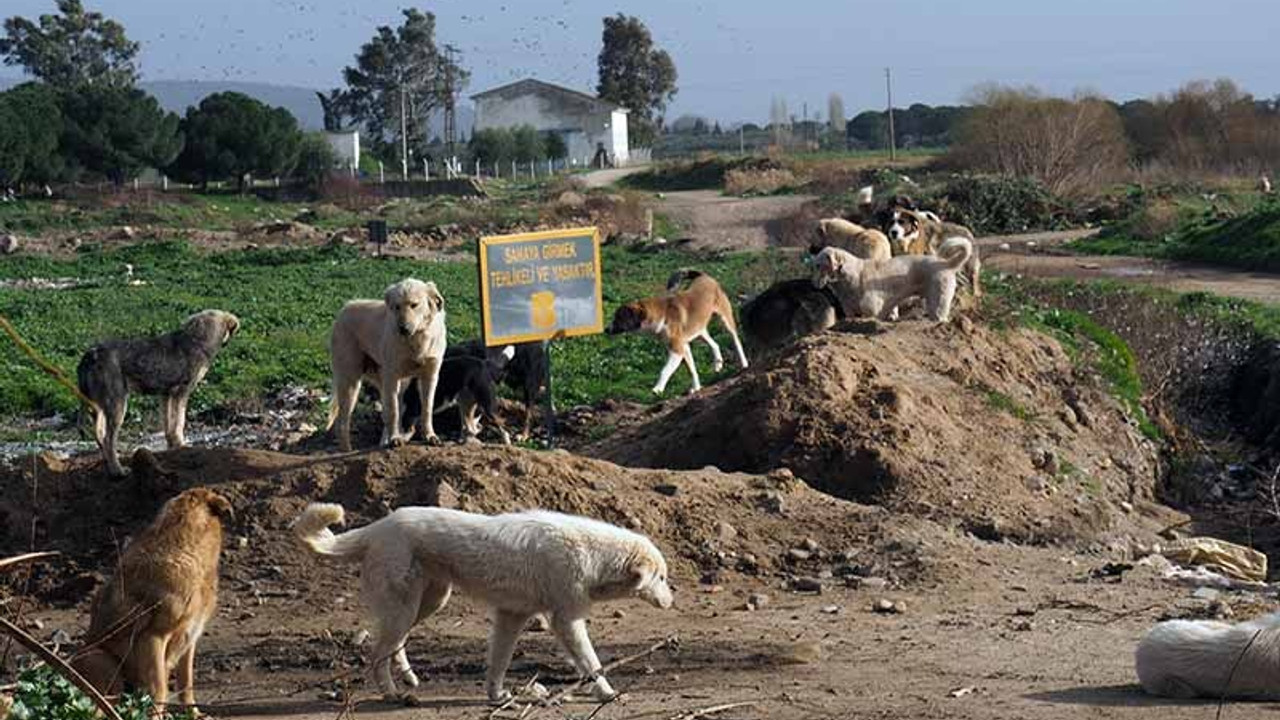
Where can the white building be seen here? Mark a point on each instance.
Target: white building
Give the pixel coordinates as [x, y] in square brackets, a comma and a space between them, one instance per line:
[584, 121]
[346, 145]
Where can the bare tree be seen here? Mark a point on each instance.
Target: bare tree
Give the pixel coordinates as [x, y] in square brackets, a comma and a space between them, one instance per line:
[1068, 144]
[835, 114]
[779, 122]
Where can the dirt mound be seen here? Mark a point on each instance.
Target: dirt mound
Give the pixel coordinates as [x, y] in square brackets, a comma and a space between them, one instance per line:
[998, 430]
[706, 522]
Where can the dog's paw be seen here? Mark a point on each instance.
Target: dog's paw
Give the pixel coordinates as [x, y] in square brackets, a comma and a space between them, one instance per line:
[658, 391]
[717, 367]
[410, 678]
[499, 697]
[433, 440]
[602, 691]
[401, 698]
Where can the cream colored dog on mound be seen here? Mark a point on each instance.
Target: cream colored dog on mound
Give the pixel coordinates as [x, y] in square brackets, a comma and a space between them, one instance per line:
[868, 288]
[1208, 659]
[388, 341]
[519, 564]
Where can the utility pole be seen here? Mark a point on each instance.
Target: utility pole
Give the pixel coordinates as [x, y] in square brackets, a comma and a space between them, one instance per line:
[404, 135]
[450, 103]
[893, 141]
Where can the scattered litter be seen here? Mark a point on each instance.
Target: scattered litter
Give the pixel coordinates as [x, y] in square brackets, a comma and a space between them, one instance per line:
[1220, 556]
[961, 692]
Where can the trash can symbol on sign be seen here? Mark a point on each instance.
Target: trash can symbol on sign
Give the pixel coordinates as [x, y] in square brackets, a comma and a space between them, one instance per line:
[542, 309]
[536, 286]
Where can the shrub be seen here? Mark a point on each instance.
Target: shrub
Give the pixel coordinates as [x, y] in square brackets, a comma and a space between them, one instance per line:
[1068, 145]
[997, 205]
[758, 182]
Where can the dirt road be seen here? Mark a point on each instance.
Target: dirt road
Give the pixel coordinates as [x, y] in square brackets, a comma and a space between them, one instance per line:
[1042, 255]
[716, 221]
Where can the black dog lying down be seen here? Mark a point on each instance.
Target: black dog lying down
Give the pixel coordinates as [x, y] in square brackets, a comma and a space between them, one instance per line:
[524, 371]
[788, 310]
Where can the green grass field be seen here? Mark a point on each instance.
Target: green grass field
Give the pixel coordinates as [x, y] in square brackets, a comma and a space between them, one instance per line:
[287, 299]
[1249, 238]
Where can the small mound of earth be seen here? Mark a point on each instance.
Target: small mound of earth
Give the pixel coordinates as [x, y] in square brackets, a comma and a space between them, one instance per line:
[997, 430]
[709, 524]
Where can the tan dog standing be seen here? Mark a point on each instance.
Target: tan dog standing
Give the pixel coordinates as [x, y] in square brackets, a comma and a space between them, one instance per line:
[876, 289]
[145, 622]
[866, 243]
[388, 341]
[680, 317]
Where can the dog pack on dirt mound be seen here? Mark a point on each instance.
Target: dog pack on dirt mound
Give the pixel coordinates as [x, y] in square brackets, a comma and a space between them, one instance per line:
[997, 430]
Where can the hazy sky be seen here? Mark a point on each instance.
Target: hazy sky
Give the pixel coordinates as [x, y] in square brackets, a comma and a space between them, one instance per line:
[733, 56]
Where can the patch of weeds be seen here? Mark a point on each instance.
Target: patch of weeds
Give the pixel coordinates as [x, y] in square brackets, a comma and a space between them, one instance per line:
[43, 694]
[1003, 403]
[1087, 341]
[665, 227]
[601, 431]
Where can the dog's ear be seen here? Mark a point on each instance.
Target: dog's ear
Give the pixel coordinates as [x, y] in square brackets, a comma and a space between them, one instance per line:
[220, 507]
[434, 297]
[640, 570]
[232, 326]
[822, 228]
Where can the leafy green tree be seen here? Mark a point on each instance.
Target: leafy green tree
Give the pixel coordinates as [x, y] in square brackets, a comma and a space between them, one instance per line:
[635, 75]
[400, 68]
[316, 161]
[13, 145]
[72, 48]
[117, 132]
[230, 135]
[492, 145]
[555, 147]
[37, 117]
[526, 144]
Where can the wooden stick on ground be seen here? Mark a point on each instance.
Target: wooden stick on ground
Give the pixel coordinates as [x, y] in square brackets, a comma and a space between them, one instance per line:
[61, 666]
[703, 712]
[669, 642]
[9, 562]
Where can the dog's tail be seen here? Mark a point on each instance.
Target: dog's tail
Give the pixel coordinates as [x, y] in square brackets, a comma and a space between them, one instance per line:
[312, 528]
[680, 276]
[955, 252]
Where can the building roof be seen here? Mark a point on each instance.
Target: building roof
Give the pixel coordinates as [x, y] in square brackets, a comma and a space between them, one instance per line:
[531, 86]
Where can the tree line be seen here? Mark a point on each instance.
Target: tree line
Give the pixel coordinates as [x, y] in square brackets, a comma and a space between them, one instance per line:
[1070, 144]
[83, 118]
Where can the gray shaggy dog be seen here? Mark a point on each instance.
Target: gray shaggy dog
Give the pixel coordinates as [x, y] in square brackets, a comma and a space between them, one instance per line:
[170, 366]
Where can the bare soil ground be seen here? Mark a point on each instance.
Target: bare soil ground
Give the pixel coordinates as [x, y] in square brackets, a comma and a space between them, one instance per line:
[980, 628]
[715, 221]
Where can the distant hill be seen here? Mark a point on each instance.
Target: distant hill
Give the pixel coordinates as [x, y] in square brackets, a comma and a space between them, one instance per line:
[178, 95]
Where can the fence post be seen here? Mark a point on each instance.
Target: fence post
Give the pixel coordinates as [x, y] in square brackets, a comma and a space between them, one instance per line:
[426, 168]
[382, 174]
[513, 170]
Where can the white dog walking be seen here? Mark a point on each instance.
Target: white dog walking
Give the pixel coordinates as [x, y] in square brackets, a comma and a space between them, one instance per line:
[520, 564]
[388, 341]
[1193, 658]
